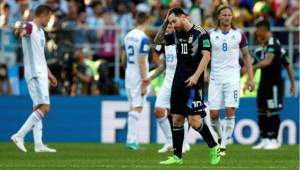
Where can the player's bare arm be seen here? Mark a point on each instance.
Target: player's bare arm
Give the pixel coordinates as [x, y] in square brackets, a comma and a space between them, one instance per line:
[191, 81]
[292, 79]
[265, 62]
[247, 57]
[142, 65]
[52, 78]
[159, 38]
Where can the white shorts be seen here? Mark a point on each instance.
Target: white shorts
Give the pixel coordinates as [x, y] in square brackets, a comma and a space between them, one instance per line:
[223, 94]
[135, 97]
[163, 98]
[38, 88]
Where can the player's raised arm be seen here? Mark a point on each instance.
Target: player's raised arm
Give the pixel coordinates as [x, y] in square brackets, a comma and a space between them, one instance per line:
[159, 38]
[23, 29]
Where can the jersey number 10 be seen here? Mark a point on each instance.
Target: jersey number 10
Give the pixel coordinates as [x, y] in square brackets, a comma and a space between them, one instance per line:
[184, 49]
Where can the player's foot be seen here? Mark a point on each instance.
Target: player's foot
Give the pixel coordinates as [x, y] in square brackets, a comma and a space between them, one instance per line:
[133, 146]
[262, 144]
[43, 148]
[19, 141]
[215, 155]
[272, 144]
[167, 147]
[222, 151]
[172, 160]
[186, 148]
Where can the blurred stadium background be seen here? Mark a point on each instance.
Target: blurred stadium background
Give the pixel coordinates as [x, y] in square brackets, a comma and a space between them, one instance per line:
[83, 50]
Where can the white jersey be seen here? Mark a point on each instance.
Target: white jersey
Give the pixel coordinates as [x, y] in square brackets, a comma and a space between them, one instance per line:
[171, 62]
[225, 52]
[136, 45]
[33, 44]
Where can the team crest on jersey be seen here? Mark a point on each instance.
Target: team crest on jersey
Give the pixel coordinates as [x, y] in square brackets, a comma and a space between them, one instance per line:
[190, 40]
[233, 37]
[217, 37]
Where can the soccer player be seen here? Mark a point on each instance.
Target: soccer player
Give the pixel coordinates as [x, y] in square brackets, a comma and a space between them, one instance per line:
[270, 90]
[37, 75]
[193, 54]
[136, 45]
[162, 104]
[224, 81]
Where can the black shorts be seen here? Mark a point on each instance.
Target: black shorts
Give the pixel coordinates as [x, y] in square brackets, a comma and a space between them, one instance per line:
[187, 101]
[270, 96]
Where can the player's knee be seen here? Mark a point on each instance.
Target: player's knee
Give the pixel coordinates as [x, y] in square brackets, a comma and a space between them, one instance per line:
[160, 112]
[230, 111]
[178, 121]
[195, 124]
[45, 109]
[214, 114]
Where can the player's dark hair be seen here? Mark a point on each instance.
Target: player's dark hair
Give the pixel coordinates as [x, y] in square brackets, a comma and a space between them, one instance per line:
[42, 9]
[177, 11]
[263, 23]
[218, 11]
[141, 18]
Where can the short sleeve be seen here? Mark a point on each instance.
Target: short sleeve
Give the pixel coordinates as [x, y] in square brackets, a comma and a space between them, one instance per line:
[284, 58]
[244, 42]
[28, 28]
[144, 48]
[204, 42]
[270, 49]
[159, 48]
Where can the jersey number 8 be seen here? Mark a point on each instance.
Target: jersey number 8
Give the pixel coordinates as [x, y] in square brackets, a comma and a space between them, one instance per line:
[224, 46]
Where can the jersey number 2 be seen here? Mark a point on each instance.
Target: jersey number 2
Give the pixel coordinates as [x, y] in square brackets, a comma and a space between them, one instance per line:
[184, 49]
[130, 54]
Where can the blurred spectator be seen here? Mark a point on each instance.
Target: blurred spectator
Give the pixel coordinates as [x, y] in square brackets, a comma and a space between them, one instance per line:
[6, 19]
[96, 20]
[196, 12]
[5, 86]
[123, 19]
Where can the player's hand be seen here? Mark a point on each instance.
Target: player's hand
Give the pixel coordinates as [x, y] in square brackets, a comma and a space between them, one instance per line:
[206, 77]
[250, 85]
[292, 90]
[53, 81]
[146, 81]
[193, 80]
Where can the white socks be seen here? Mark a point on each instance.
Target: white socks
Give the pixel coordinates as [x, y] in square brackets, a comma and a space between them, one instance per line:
[215, 124]
[227, 130]
[38, 133]
[165, 126]
[132, 133]
[29, 123]
[186, 131]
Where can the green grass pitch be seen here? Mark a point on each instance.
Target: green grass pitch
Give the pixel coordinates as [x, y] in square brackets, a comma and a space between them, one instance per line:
[87, 156]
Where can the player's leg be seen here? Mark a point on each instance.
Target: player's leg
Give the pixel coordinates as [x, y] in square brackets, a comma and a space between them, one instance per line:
[231, 100]
[34, 117]
[199, 125]
[274, 105]
[215, 97]
[136, 106]
[37, 130]
[162, 105]
[186, 146]
[178, 136]
[262, 118]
